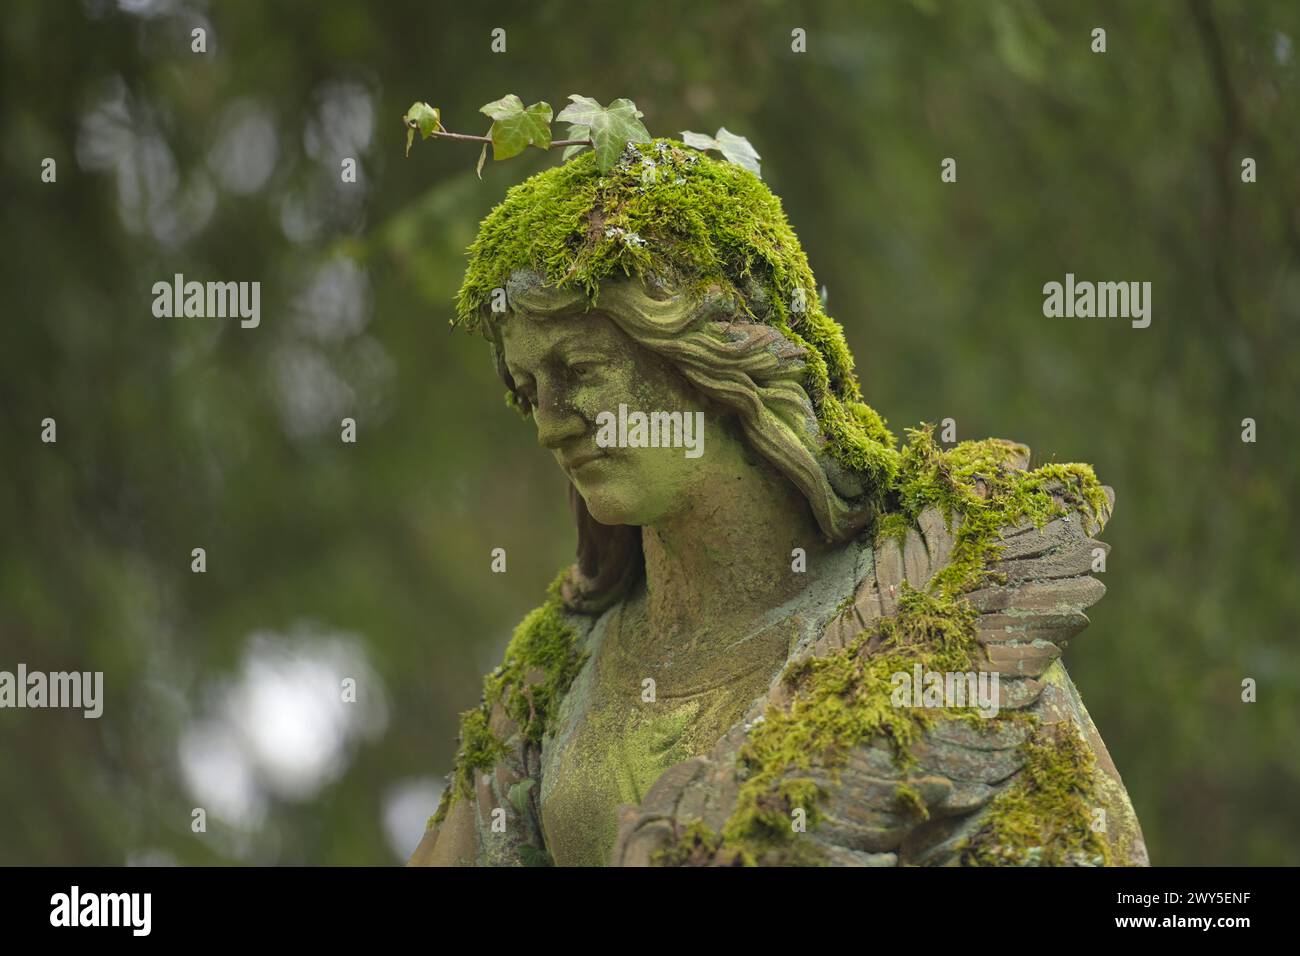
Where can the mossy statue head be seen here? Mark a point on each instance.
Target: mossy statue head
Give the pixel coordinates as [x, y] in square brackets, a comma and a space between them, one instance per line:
[671, 282]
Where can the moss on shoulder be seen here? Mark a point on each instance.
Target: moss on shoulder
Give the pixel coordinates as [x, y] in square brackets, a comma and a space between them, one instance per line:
[986, 484]
[1045, 817]
[844, 700]
[696, 846]
[540, 663]
[838, 702]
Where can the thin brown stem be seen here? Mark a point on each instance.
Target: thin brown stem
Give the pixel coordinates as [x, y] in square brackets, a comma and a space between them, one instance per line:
[488, 139]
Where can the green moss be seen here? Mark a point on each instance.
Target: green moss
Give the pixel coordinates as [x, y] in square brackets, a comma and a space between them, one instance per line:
[666, 211]
[978, 481]
[480, 749]
[533, 856]
[696, 846]
[1045, 817]
[910, 797]
[837, 703]
[844, 700]
[540, 663]
[891, 526]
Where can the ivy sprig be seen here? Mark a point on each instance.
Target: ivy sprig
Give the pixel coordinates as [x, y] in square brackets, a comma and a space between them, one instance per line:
[734, 148]
[607, 130]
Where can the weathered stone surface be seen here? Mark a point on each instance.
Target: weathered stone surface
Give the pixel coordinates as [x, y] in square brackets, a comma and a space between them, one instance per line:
[838, 856]
[1018, 694]
[841, 630]
[873, 760]
[939, 540]
[641, 845]
[889, 575]
[916, 560]
[966, 796]
[985, 735]
[1070, 560]
[1045, 626]
[1057, 533]
[872, 831]
[966, 764]
[937, 842]
[1061, 595]
[1021, 659]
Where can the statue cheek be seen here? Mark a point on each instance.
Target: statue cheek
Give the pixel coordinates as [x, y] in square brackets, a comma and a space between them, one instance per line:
[603, 395]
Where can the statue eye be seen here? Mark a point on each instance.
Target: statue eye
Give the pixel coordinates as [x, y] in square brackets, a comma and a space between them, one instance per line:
[526, 387]
[583, 370]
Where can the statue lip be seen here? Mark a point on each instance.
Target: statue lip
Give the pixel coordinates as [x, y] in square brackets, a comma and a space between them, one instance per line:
[578, 461]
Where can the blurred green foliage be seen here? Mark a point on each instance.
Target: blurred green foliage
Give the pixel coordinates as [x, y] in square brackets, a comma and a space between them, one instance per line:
[183, 433]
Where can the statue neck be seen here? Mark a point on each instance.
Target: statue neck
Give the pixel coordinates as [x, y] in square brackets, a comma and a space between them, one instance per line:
[725, 558]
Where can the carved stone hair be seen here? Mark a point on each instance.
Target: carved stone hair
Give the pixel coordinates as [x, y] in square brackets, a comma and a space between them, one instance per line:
[748, 367]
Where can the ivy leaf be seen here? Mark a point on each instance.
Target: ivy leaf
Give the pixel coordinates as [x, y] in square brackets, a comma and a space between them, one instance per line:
[610, 128]
[735, 149]
[515, 128]
[699, 140]
[576, 131]
[738, 150]
[518, 793]
[425, 119]
[478, 167]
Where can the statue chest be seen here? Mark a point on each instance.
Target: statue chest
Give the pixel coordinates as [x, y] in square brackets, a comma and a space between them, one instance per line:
[629, 716]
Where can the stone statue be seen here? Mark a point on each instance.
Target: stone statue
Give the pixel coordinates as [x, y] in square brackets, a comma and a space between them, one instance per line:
[787, 639]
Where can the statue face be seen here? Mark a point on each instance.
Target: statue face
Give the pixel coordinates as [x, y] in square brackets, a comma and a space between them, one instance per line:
[573, 369]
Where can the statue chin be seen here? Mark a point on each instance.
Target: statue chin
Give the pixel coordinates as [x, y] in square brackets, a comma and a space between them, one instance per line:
[610, 508]
[622, 499]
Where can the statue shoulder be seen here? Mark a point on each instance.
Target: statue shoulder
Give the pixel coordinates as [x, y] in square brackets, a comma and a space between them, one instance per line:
[976, 525]
[983, 572]
[497, 766]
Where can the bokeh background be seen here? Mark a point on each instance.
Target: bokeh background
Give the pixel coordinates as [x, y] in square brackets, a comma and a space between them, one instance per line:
[371, 560]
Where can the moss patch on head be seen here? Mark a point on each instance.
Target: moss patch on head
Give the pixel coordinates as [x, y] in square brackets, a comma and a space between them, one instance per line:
[669, 213]
[541, 661]
[844, 700]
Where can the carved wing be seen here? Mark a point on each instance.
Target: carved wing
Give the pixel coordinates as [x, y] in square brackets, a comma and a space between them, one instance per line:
[878, 810]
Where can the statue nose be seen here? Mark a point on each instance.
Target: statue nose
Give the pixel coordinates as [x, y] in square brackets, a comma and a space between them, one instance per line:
[556, 423]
